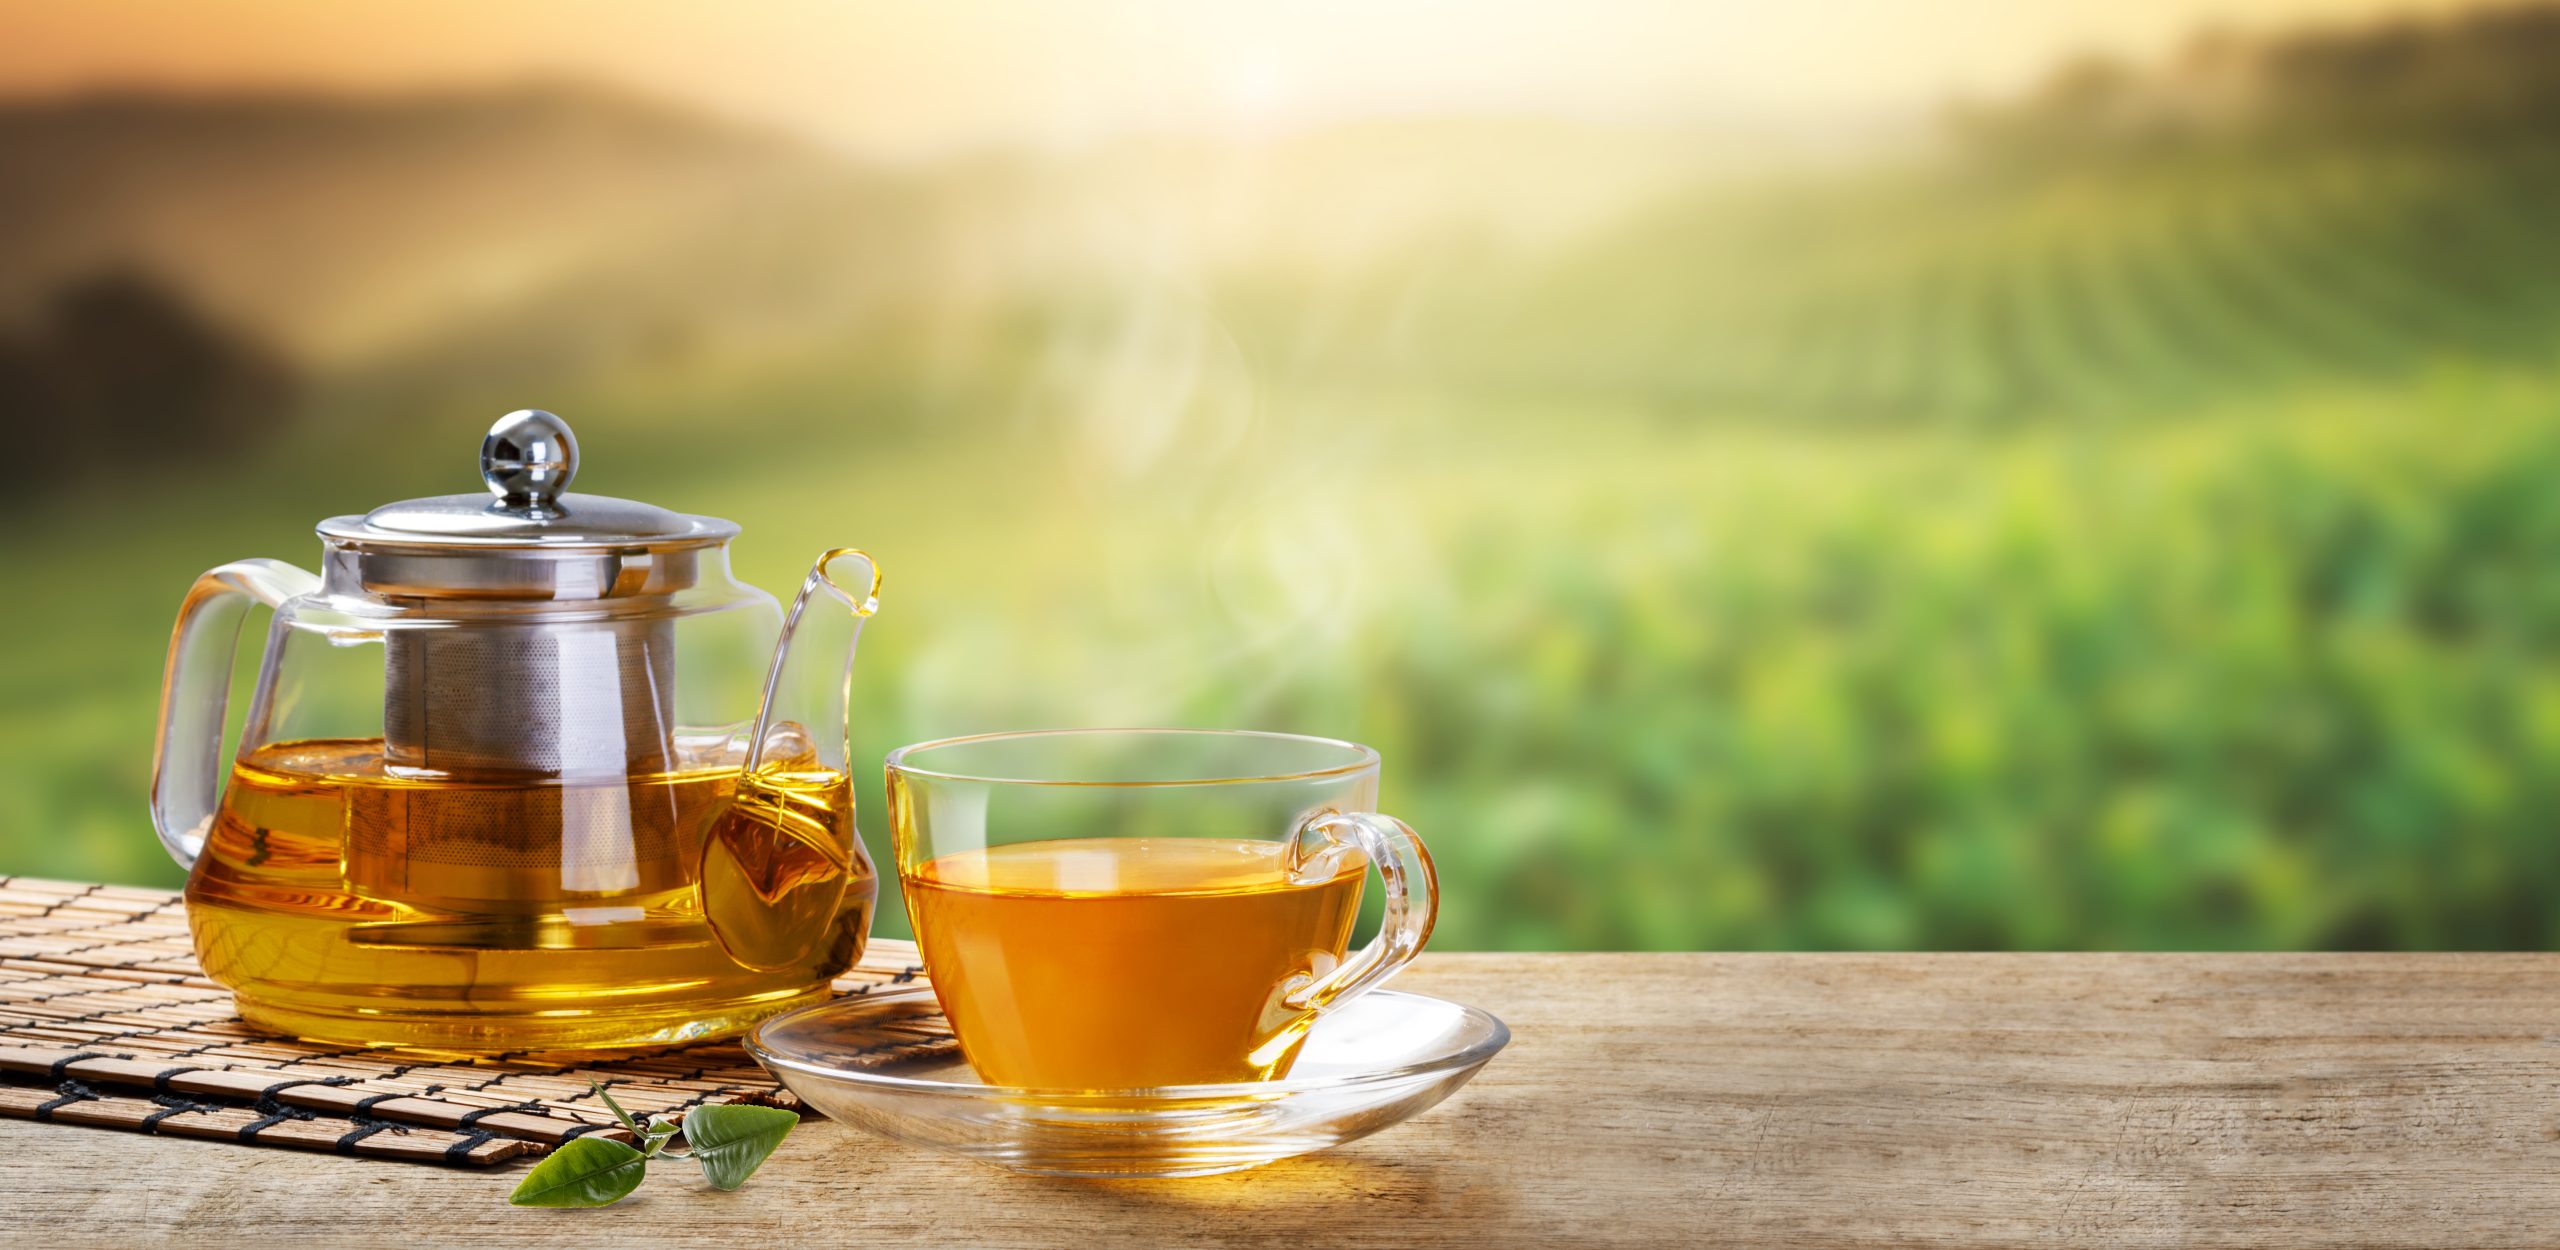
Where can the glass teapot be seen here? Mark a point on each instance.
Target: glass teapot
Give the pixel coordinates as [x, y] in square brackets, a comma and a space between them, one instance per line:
[522, 773]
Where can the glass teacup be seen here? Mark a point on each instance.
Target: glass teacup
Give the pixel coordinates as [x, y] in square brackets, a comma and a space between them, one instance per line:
[1135, 908]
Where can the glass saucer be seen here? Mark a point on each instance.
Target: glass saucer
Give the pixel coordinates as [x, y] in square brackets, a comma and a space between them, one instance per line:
[1371, 1063]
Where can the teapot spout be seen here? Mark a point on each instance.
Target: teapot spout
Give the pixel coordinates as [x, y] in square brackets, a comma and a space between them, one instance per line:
[804, 721]
[783, 882]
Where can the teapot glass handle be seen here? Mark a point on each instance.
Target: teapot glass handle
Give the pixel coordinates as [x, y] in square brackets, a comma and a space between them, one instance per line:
[186, 767]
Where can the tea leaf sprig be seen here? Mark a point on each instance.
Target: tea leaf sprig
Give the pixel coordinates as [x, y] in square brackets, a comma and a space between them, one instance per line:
[730, 1142]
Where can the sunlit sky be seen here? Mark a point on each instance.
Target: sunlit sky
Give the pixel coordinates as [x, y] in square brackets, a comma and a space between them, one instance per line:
[918, 78]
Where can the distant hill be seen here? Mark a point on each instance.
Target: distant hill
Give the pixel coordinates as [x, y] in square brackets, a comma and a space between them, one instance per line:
[554, 231]
[335, 227]
[2323, 209]
[2461, 77]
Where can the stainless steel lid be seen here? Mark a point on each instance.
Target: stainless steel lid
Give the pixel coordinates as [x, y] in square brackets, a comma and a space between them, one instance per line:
[534, 540]
[527, 462]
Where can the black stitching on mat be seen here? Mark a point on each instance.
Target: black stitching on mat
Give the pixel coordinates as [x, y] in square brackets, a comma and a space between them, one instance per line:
[171, 1104]
[69, 1092]
[364, 1106]
[364, 1129]
[565, 1069]
[111, 987]
[582, 1130]
[471, 1119]
[594, 1085]
[160, 1079]
[270, 1114]
[340, 1052]
[704, 1097]
[152, 1031]
[84, 894]
[460, 1151]
[270, 1091]
[59, 956]
[119, 1009]
[60, 1066]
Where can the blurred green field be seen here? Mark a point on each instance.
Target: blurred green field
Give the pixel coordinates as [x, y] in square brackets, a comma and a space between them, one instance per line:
[2274, 678]
[2147, 546]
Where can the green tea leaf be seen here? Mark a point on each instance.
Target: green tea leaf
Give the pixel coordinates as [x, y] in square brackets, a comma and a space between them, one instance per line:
[618, 1112]
[661, 1131]
[732, 1141]
[583, 1172]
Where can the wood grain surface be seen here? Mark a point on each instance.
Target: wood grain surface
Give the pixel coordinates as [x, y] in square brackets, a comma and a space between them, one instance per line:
[1767, 1100]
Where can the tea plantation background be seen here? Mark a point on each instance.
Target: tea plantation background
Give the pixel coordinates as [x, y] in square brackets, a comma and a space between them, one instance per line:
[2126, 515]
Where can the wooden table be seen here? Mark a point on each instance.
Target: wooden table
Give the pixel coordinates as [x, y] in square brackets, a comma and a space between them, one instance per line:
[1769, 1100]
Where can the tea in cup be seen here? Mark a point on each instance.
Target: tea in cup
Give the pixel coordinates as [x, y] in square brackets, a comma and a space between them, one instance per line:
[1133, 909]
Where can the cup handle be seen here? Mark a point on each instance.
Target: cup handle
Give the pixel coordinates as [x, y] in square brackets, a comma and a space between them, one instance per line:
[1413, 902]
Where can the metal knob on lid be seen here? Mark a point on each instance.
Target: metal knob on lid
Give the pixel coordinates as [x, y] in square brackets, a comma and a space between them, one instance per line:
[527, 460]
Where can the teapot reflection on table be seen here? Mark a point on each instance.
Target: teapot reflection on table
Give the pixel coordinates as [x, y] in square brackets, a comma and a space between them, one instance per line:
[529, 772]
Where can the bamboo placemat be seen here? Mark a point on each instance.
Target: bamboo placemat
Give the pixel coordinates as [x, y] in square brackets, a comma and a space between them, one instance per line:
[106, 1021]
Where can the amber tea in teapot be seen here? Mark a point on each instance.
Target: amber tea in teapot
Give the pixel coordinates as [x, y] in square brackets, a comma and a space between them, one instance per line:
[520, 774]
[273, 920]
